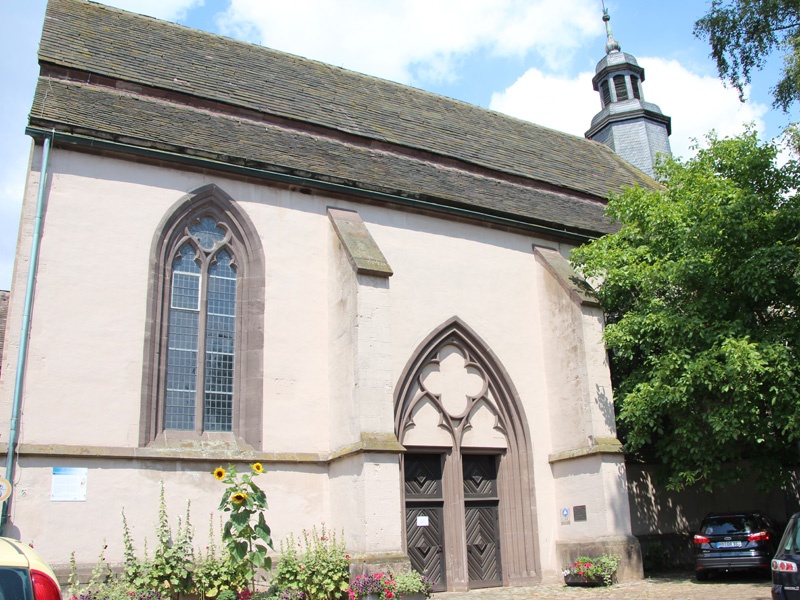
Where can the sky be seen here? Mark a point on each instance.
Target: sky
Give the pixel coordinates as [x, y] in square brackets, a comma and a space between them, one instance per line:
[532, 59]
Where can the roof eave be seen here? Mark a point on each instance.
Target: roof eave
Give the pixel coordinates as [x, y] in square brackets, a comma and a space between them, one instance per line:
[242, 167]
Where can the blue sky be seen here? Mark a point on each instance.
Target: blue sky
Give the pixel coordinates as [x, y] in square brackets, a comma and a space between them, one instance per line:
[533, 59]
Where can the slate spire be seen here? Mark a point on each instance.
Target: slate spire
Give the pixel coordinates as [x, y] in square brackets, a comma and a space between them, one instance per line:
[635, 129]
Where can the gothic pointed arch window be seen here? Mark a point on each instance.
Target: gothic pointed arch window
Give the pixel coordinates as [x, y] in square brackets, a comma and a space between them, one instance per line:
[202, 376]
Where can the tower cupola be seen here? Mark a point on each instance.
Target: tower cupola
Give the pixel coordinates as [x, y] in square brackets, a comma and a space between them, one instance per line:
[635, 129]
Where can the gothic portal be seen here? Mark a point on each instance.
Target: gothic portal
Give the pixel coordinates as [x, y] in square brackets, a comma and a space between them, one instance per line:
[468, 494]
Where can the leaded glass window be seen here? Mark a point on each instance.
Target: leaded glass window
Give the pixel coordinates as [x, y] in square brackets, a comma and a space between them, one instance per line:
[201, 331]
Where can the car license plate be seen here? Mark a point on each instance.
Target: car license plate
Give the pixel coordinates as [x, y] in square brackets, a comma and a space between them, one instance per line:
[729, 544]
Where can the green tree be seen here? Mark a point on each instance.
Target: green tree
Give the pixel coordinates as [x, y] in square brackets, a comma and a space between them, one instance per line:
[744, 33]
[701, 288]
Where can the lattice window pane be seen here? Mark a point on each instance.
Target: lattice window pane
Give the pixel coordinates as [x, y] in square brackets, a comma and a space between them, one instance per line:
[182, 330]
[220, 345]
[179, 410]
[183, 335]
[218, 412]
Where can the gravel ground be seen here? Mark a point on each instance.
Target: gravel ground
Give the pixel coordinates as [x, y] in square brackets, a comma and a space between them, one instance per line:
[672, 586]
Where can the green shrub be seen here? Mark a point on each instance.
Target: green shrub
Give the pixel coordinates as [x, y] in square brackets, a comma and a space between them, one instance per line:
[320, 572]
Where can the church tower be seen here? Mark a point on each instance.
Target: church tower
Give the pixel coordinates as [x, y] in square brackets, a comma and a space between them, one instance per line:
[636, 130]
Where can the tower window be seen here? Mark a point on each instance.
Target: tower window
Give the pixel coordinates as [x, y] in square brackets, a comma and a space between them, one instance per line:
[620, 87]
[635, 87]
[605, 92]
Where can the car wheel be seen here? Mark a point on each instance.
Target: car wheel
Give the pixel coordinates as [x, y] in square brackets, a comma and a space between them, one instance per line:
[701, 575]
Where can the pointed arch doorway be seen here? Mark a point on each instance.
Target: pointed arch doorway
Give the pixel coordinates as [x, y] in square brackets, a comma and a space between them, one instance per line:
[467, 470]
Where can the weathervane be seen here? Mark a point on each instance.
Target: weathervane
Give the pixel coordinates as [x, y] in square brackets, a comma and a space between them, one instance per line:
[612, 45]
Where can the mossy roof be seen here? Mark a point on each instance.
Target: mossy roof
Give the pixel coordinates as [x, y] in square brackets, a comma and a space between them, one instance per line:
[118, 75]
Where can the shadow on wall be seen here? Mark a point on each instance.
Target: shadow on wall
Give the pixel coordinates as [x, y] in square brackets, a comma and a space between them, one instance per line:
[665, 521]
[606, 406]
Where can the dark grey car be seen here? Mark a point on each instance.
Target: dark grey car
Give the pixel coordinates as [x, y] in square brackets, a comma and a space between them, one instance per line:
[785, 575]
[734, 541]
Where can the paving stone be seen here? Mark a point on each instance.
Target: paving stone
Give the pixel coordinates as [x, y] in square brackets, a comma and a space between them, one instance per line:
[681, 586]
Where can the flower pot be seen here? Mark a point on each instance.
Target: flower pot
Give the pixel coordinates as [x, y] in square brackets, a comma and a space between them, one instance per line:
[580, 580]
[414, 596]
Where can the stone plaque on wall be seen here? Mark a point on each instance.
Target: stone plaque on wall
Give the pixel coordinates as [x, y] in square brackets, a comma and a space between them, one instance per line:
[579, 512]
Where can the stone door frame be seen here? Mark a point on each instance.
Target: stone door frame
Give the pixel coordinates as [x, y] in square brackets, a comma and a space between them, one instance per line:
[517, 507]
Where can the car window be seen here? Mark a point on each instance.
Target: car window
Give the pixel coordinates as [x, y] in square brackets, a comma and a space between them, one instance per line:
[15, 584]
[790, 542]
[729, 524]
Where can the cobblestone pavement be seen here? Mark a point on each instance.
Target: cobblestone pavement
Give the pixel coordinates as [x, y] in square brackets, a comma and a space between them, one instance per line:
[681, 586]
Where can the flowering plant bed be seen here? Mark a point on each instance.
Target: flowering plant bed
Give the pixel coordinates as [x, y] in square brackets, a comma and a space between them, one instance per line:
[409, 585]
[413, 585]
[583, 581]
[587, 571]
[378, 586]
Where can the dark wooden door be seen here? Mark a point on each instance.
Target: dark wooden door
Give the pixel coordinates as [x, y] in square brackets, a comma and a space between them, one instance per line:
[422, 474]
[481, 520]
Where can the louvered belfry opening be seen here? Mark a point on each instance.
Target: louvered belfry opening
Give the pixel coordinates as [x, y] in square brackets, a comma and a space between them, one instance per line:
[620, 88]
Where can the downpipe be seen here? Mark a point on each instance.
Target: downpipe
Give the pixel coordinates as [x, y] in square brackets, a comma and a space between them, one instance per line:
[22, 354]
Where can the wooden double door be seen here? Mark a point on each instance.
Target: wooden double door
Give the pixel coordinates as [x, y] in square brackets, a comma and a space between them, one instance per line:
[426, 535]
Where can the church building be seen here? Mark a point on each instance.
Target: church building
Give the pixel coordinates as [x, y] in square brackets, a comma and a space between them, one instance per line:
[239, 255]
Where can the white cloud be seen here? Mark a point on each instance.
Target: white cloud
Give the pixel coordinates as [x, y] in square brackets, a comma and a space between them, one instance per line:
[695, 102]
[565, 104]
[414, 40]
[170, 10]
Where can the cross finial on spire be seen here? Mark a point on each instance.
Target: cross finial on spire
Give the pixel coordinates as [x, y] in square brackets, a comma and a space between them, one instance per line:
[612, 45]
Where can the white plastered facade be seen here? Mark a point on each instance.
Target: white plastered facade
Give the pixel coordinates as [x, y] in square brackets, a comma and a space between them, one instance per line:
[336, 342]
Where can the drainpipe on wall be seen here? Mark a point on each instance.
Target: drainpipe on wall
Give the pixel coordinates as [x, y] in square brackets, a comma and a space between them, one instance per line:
[22, 354]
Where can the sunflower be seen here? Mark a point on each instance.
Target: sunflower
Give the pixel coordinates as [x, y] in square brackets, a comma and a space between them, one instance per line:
[219, 473]
[257, 468]
[238, 497]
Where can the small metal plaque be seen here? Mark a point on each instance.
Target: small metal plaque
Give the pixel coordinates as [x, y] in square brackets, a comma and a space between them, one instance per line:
[579, 512]
[422, 521]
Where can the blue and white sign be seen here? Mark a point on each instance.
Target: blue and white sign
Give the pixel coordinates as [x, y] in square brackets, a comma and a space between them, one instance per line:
[69, 484]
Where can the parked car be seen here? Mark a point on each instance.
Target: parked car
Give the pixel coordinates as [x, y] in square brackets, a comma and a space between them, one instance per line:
[24, 575]
[734, 541]
[785, 575]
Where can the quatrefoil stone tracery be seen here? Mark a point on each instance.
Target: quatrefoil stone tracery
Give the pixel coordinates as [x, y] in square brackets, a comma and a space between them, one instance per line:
[456, 385]
[454, 381]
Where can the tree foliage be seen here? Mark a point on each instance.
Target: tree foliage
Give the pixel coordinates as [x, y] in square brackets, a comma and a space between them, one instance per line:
[701, 287]
[743, 33]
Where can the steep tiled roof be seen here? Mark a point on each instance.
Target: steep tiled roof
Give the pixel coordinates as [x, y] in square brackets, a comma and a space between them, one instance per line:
[201, 94]
[186, 130]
